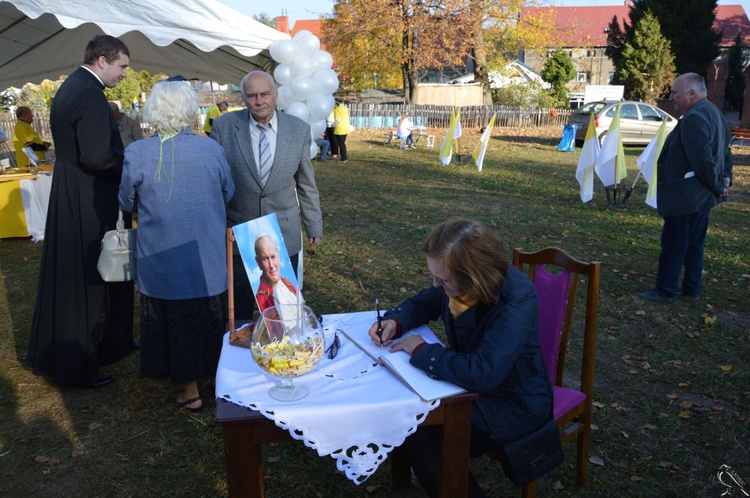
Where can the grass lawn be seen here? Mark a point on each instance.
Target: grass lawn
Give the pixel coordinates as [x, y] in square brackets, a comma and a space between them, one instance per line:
[672, 391]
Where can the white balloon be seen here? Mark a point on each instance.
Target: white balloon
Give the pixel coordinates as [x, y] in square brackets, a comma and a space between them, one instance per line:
[302, 87]
[313, 150]
[286, 52]
[298, 109]
[317, 127]
[303, 66]
[274, 49]
[286, 98]
[321, 60]
[303, 33]
[283, 74]
[326, 81]
[308, 43]
[318, 105]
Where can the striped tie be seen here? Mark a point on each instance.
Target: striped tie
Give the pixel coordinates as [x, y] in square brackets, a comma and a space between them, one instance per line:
[264, 155]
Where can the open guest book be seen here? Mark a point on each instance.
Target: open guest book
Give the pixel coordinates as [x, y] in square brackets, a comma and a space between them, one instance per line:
[427, 388]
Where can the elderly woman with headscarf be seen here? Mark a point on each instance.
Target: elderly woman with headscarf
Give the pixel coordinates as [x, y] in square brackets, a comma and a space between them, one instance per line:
[178, 183]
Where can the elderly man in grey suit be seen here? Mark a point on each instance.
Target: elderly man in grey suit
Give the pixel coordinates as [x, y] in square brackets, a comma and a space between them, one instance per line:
[269, 156]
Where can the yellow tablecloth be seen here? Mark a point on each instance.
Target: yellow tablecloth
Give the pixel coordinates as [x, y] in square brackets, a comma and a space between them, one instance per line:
[23, 205]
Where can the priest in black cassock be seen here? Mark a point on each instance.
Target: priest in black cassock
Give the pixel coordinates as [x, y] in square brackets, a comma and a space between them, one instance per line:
[80, 322]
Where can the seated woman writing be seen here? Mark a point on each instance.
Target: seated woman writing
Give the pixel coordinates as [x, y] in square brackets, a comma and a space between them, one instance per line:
[489, 309]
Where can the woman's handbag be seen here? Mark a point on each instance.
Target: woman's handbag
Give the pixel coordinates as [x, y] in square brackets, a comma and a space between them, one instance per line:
[117, 261]
[532, 455]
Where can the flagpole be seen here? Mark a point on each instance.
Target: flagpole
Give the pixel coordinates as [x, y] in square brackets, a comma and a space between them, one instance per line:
[636, 179]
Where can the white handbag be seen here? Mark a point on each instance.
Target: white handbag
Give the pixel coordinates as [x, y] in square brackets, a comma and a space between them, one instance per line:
[117, 262]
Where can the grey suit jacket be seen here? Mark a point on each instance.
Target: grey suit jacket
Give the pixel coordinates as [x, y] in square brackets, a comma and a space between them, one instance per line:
[290, 191]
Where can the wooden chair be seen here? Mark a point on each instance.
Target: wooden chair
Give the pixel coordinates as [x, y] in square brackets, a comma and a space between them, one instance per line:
[557, 295]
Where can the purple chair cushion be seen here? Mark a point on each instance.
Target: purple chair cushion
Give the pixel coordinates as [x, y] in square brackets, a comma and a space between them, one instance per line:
[566, 399]
[552, 295]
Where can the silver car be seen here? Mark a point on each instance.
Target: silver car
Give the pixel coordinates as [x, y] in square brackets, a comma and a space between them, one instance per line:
[639, 122]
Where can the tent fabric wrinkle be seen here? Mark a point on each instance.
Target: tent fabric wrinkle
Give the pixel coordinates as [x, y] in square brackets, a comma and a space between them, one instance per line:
[203, 39]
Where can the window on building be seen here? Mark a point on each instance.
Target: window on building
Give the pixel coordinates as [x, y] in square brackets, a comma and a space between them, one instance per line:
[590, 53]
[582, 77]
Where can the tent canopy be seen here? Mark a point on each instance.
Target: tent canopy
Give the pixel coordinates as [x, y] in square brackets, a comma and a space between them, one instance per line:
[203, 39]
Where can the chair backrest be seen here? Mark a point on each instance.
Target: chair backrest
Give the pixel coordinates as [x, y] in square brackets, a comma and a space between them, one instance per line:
[556, 293]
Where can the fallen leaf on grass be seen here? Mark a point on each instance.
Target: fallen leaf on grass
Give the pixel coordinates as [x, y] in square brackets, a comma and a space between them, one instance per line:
[123, 458]
[558, 485]
[625, 434]
[41, 459]
[95, 425]
[684, 414]
[636, 478]
[671, 396]
[78, 452]
[726, 368]
[372, 489]
[273, 459]
[598, 404]
[686, 404]
[596, 461]
[668, 465]
[640, 313]
[649, 427]
[683, 384]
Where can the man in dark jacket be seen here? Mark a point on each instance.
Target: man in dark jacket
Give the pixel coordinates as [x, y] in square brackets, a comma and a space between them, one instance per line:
[80, 322]
[694, 173]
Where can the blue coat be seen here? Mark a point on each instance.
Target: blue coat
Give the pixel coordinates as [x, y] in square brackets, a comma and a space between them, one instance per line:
[181, 245]
[493, 350]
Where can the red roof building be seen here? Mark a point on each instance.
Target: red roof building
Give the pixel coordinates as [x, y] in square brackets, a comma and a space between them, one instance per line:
[583, 32]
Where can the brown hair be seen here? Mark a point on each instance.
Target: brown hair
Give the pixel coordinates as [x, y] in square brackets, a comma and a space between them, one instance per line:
[475, 259]
[107, 46]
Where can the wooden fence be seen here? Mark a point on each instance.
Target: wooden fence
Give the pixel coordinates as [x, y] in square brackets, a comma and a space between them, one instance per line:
[386, 116]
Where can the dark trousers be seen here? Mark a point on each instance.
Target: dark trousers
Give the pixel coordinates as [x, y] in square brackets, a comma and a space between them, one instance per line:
[332, 141]
[341, 145]
[244, 297]
[682, 241]
[423, 449]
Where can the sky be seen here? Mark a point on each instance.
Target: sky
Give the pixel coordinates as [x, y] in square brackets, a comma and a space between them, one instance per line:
[312, 9]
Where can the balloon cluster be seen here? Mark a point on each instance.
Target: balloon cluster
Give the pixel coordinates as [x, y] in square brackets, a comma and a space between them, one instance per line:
[306, 81]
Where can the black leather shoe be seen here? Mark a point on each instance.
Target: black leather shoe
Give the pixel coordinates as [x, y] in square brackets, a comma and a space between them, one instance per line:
[102, 381]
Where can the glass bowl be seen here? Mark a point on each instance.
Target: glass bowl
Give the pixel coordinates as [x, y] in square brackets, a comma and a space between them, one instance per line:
[287, 342]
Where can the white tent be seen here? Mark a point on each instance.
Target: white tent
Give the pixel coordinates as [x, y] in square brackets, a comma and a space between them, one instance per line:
[203, 39]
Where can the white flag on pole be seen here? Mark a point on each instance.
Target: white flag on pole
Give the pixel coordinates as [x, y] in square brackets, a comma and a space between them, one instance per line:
[647, 163]
[446, 148]
[481, 147]
[587, 161]
[610, 164]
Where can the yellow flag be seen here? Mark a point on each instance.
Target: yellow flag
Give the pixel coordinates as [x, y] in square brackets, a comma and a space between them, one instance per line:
[446, 148]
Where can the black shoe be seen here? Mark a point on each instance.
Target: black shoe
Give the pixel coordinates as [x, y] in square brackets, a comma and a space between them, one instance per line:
[101, 381]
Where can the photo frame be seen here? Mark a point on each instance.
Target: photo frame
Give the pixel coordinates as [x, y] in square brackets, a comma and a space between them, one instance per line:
[267, 263]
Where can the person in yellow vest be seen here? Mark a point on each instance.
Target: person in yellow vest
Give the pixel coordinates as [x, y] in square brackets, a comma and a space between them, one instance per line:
[24, 135]
[341, 128]
[214, 112]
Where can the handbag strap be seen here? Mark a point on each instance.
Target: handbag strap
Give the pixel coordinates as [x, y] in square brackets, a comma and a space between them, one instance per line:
[120, 222]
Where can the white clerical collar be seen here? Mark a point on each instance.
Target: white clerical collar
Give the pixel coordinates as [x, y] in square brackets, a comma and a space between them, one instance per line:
[92, 72]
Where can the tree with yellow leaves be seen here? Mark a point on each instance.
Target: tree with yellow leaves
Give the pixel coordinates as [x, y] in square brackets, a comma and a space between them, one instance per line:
[375, 40]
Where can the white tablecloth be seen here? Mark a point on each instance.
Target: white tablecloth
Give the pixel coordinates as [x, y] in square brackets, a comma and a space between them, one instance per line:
[35, 197]
[356, 412]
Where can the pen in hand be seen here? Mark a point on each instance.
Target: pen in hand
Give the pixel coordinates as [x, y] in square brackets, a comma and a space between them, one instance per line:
[380, 322]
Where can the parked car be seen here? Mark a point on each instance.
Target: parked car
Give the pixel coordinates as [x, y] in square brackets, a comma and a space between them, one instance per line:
[639, 121]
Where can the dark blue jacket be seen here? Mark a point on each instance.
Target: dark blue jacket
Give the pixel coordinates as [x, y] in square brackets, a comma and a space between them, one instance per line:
[493, 350]
[694, 161]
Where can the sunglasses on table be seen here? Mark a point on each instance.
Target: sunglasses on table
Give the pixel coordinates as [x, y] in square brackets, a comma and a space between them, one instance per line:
[333, 349]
